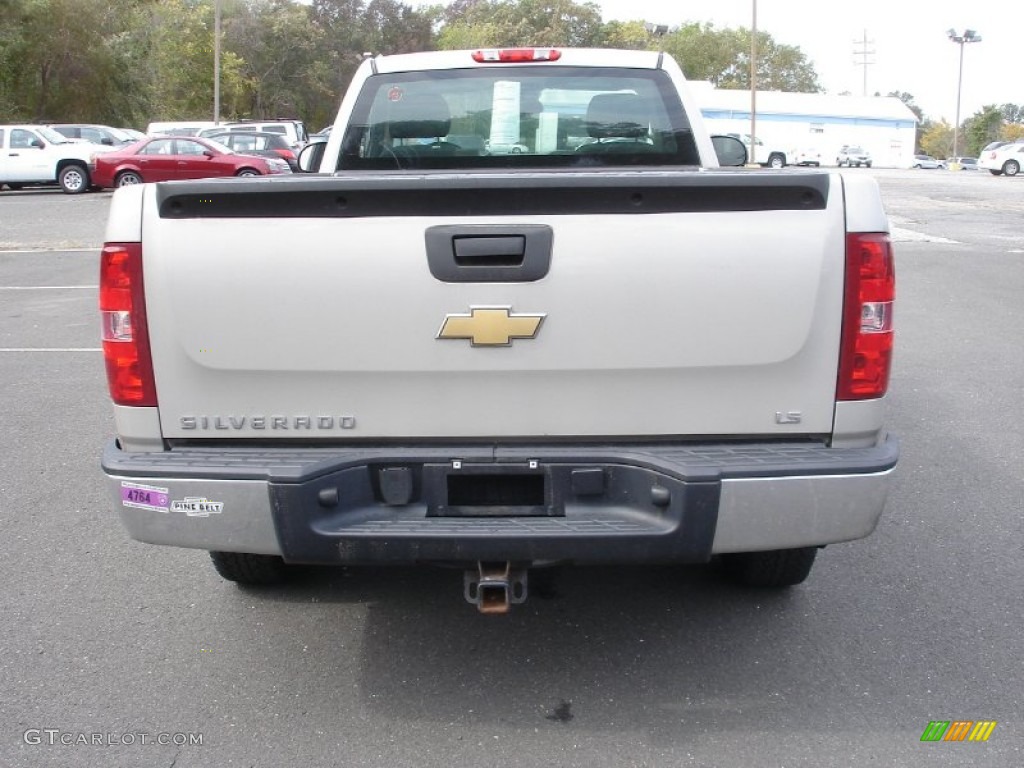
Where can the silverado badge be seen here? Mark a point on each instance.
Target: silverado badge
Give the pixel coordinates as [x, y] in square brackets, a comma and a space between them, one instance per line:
[490, 326]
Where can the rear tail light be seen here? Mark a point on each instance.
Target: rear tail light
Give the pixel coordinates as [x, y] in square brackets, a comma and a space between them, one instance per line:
[515, 55]
[865, 357]
[124, 332]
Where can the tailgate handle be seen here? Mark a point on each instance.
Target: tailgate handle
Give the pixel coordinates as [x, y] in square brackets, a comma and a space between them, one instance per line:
[489, 253]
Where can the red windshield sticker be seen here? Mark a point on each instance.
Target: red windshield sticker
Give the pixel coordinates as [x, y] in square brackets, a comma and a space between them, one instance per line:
[395, 94]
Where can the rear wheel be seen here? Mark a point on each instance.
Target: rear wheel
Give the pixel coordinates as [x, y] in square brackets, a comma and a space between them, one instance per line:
[249, 569]
[73, 179]
[774, 568]
[127, 178]
[246, 172]
[775, 160]
[1011, 167]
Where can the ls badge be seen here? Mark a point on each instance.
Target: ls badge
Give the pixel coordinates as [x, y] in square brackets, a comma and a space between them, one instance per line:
[490, 326]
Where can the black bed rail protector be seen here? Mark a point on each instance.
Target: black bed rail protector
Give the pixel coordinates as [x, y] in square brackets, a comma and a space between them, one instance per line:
[356, 195]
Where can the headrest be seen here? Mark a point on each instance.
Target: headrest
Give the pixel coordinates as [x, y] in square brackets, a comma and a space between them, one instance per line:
[615, 115]
[419, 116]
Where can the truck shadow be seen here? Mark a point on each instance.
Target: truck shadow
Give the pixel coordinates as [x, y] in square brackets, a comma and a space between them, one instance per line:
[662, 650]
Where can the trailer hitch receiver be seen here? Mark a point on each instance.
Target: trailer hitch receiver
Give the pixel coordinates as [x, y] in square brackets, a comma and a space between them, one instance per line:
[494, 587]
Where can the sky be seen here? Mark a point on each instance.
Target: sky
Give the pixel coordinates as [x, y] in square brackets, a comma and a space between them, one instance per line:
[912, 52]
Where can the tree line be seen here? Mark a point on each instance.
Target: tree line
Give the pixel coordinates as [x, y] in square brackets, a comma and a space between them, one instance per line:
[128, 62]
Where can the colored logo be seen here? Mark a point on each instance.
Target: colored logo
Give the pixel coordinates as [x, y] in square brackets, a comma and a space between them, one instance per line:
[958, 730]
[490, 326]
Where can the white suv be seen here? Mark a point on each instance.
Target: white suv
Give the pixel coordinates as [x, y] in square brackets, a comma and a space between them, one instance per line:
[1007, 159]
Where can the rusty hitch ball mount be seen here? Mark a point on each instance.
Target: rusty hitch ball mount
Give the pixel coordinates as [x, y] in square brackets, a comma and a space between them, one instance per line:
[494, 587]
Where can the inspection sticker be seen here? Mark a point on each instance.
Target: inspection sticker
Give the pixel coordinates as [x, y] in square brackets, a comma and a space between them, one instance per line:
[144, 497]
[197, 506]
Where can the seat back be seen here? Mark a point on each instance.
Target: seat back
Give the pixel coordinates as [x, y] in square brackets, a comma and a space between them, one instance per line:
[421, 116]
[618, 122]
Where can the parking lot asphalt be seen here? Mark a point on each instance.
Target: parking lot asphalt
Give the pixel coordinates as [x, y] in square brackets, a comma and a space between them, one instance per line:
[120, 643]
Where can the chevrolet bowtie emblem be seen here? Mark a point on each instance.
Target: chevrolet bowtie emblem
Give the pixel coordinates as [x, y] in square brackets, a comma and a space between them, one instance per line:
[490, 326]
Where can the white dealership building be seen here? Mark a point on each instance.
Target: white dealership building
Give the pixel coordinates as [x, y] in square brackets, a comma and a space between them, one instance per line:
[883, 125]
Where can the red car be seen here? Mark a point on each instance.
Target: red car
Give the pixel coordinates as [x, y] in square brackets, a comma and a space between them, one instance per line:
[167, 158]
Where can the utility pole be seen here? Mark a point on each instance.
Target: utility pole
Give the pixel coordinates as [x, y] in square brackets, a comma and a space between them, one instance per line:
[864, 52]
[216, 62]
[753, 88]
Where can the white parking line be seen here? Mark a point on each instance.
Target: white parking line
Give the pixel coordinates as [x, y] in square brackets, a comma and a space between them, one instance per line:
[48, 287]
[50, 250]
[900, 235]
[51, 349]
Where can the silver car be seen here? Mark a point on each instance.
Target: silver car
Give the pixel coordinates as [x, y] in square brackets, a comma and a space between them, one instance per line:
[926, 161]
[853, 156]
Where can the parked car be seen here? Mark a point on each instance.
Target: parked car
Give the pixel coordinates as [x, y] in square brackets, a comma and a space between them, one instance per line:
[322, 135]
[178, 127]
[493, 148]
[257, 143]
[1007, 159]
[805, 156]
[926, 161]
[962, 163]
[994, 145]
[767, 155]
[36, 154]
[167, 158]
[853, 156]
[294, 131]
[95, 134]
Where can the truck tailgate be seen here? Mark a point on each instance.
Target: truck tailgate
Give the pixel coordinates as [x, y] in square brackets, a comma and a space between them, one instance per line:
[688, 304]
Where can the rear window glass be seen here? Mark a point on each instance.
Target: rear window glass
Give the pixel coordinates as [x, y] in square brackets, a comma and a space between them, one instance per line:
[518, 117]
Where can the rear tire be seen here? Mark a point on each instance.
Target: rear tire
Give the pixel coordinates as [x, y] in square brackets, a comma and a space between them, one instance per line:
[772, 569]
[73, 179]
[777, 161]
[248, 569]
[1011, 168]
[127, 178]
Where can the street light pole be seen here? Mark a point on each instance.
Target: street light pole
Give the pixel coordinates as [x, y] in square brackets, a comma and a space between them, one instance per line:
[968, 36]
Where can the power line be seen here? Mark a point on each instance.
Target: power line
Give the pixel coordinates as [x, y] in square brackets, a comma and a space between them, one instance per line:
[864, 52]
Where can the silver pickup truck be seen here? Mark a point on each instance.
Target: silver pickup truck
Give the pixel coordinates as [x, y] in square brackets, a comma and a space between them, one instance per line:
[600, 348]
